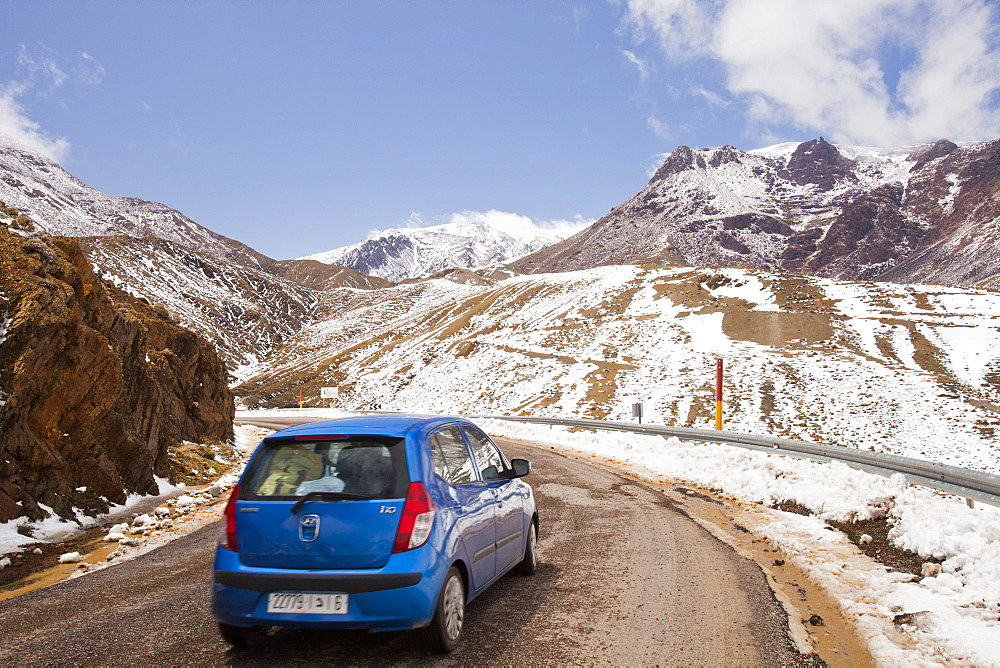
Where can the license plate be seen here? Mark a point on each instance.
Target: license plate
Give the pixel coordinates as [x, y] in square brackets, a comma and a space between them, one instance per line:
[305, 603]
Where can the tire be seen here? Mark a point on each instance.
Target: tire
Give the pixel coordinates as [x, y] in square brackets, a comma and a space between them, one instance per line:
[243, 636]
[529, 564]
[445, 630]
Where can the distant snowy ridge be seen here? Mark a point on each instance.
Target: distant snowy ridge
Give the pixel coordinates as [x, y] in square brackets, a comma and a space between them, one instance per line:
[469, 240]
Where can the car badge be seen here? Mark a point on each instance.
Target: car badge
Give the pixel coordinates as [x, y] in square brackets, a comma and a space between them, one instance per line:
[309, 528]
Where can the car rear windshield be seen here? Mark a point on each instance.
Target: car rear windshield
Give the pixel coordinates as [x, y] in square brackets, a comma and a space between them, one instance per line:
[373, 467]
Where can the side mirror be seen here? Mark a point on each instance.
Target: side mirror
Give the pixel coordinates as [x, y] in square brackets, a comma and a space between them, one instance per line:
[522, 467]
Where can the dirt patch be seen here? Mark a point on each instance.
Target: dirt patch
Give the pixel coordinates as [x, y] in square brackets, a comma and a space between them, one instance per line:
[684, 289]
[775, 328]
[565, 359]
[792, 507]
[615, 305]
[39, 564]
[872, 538]
[195, 464]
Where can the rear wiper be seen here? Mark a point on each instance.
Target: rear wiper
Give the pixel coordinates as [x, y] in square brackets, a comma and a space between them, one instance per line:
[328, 496]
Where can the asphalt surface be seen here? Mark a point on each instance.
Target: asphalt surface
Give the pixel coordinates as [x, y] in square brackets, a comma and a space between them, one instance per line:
[624, 578]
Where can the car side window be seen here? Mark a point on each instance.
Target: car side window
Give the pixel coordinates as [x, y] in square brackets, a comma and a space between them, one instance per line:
[451, 456]
[492, 465]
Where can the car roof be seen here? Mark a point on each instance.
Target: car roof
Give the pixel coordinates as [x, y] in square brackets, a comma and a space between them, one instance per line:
[378, 423]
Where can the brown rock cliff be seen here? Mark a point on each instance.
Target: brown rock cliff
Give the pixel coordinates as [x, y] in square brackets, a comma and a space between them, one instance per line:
[95, 385]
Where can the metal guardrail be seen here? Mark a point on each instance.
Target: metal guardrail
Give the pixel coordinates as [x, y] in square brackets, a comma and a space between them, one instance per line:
[973, 485]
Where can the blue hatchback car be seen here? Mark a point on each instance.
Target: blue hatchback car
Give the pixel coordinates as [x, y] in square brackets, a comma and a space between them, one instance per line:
[379, 522]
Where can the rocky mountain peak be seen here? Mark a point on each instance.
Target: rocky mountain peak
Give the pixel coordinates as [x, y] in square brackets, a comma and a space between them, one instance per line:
[925, 154]
[726, 154]
[682, 159]
[819, 163]
[416, 252]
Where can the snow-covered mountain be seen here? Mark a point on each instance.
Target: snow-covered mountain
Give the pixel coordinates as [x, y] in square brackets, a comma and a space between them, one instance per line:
[239, 299]
[61, 204]
[242, 311]
[927, 213]
[414, 252]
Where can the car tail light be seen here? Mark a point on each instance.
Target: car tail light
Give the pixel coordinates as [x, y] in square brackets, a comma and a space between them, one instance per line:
[417, 520]
[228, 537]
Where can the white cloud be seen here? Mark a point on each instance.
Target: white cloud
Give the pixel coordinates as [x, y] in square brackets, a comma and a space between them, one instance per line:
[659, 128]
[713, 98]
[512, 221]
[42, 66]
[89, 71]
[502, 220]
[639, 63]
[683, 26]
[16, 126]
[44, 76]
[822, 66]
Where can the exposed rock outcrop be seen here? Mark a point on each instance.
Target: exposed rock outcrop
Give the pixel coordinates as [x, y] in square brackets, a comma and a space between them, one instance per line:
[244, 312]
[321, 276]
[95, 387]
[819, 163]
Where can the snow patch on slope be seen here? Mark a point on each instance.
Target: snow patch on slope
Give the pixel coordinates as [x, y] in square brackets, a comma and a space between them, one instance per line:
[904, 369]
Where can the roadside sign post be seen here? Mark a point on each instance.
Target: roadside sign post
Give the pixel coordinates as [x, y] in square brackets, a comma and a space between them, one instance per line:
[330, 393]
[637, 411]
[718, 394]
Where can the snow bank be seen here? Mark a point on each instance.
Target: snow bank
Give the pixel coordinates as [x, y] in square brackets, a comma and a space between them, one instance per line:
[15, 534]
[953, 616]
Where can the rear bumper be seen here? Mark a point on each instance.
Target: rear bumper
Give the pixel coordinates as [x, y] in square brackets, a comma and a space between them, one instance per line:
[397, 597]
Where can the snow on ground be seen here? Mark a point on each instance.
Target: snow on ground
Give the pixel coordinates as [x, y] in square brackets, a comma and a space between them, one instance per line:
[55, 528]
[902, 369]
[947, 618]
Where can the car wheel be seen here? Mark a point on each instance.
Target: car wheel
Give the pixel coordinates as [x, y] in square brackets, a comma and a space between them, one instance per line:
[243, 636]
[445, 629]
[529, 564]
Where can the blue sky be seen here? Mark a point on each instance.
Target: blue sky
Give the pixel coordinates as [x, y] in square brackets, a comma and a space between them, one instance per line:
[299, 126]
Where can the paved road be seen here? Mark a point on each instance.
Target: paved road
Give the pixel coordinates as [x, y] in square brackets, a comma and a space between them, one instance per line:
[624, 578]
